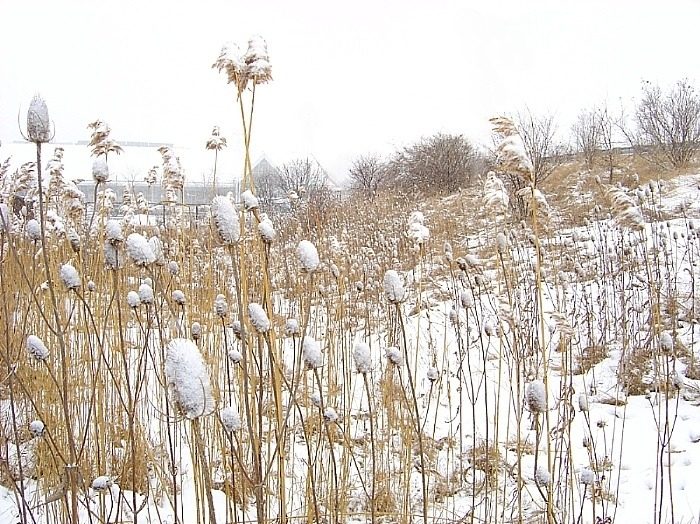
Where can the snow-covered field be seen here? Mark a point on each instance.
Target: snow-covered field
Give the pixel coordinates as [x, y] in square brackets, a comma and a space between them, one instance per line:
[387, 360]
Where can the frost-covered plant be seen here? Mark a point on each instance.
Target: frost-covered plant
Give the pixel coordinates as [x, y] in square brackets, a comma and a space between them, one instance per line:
[69, 276]
[362, 357]
[393, 287]
[250, 201]
[146, 294]
[308, 256]
[100, 142]
[37, 428]
[394, 355]
[113, 231]
[536, 396]
[495, 194]
[187, 376]
[258, 317]
[225, 220]
[38, 123]
[133, 299]
[220, 306]
[330, 415]
[417, 232]
[100, 170]
[230, 419]
[267, 231]
[311, 353]
[179, 297]
[102, 483]
[291, 328]
[140, 250]
[36, 348]
[33, 230]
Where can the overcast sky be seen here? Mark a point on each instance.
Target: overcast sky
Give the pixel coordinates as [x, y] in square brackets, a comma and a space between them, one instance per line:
[350, 77]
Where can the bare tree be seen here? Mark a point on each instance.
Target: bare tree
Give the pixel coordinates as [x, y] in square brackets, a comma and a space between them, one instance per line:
[368, 172]
[587, 130]
[669, 121]
[539, 138]
[301, 176]
[440, 163]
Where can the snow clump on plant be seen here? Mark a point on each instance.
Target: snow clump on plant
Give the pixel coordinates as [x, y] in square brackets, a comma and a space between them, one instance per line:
[311, 354]
[362, 357]
[250, 201]
[225, 220]
[536, 396]
[69, 277]
[36, 348]
[308, 256]
[133, 299]
[188, 378]
[258, 317]
[140, 250]
[393, 287]
[230, 419]
[417, 232]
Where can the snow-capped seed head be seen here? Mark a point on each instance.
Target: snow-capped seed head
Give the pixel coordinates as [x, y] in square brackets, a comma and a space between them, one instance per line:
[146, 294]
[225, 218]
[235, 356]
[542, 476]
[173, 268]
[91, 286]
[236, 328]
[230, 419]
[267, 231]
[188, 378]
[315, 399]
[362, 357]
[139, 250]
[196, 330]
[311, 353]
[536, 396]
[37, 428]
[394, 356]
[250, 201]
[102, 483]
[453, 316]
[69, 277]
[38, 123]
[466, 298]
[393, 287]
[291, 328]
[113, 258]
[133, 299]
[33, 230]
[665, 342]
[113, 231]
[330, 415]
[179, 297]
[308, 256]
[100, 170]
[73, 240]
[433, 374]
[587, 476]
[220, 306]
[501, 242]
[417, 232]
[335, 271]
[157, 248]
[258, 317]
[36, 348]
[583, 402]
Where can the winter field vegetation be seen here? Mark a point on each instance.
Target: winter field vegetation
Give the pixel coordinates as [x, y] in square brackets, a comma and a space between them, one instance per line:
[514, 350]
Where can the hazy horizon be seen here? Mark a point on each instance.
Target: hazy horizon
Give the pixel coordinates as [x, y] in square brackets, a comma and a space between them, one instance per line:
[348, 79]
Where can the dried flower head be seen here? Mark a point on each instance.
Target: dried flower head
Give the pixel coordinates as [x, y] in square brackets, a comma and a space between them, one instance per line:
[38, 123]
[69, 277]
[188, 378]
[230, 419]
[225, 220]
[258, 317]
[308, 256]
[36, 348]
